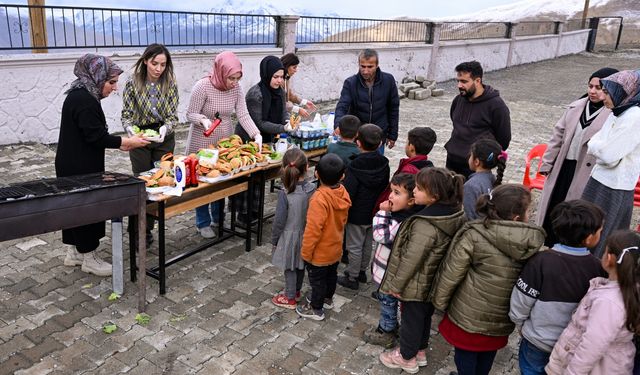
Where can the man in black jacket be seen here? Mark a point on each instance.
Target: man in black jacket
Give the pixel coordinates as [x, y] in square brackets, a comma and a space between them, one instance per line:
[372, 96]
[478, 112]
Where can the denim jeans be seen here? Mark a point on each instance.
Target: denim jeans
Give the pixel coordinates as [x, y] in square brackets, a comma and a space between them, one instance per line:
[531, 359]
[204, 217]
[388, 312]
[473, 363]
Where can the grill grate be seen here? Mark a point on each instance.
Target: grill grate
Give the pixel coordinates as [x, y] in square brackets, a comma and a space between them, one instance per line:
[13, 192]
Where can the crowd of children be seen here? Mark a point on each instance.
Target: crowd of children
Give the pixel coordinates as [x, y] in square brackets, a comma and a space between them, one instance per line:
[464, 248]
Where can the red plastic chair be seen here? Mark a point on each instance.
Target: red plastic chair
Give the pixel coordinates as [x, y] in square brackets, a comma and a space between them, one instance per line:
[538, 181]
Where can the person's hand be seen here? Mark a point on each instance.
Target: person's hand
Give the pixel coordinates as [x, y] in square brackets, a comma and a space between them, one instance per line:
[396, 295]
[129, 143]
[288, 127]
[303, 112]
[163, 132]
[310, 106]
[258, 140]
[206, 123]
[386, 205]
[390, 143]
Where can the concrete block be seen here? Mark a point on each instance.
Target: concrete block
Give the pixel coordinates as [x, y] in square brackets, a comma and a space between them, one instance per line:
[428, 84]
[406, 87]
[408, 80]
[420, 78]
[437, 92]
[411, 94]
[401, 94]
[422, 94]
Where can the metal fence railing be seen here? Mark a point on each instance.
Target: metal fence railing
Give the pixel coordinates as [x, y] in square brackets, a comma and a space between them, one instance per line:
[80, 27]
[473, 30]
[575, 24]
[357, 30]
[529, 28]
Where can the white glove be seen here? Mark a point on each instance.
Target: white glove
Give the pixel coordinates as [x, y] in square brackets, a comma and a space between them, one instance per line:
[130, 131]
[288, 127]
[258, 140]
[163, 132]
[206, 123]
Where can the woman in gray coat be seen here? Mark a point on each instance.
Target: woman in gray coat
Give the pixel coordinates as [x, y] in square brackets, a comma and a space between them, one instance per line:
[566, 162]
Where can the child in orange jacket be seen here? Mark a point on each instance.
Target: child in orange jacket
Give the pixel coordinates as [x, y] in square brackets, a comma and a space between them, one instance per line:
[323, 235]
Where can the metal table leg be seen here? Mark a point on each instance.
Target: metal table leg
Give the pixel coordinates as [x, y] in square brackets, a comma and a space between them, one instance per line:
[117, 261]
[133, 246]
[161, 249]
[261, 185]
[247, 246]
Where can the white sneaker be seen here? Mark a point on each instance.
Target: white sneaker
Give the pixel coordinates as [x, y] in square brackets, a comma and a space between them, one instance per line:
[73, 258]
[93, 264]
[207, 232]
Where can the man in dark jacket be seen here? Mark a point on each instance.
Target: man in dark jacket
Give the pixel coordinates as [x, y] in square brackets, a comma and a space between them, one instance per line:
[365, 178]
[478, 112]
[372, 96]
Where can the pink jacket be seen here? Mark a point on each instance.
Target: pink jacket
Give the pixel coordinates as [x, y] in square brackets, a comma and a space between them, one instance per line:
[596, 340]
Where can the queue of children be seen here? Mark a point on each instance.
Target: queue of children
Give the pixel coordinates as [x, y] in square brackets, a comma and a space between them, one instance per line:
[464, 248]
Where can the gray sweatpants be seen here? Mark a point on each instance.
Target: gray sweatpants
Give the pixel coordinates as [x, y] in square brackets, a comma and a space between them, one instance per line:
[293, 282]
[359, 244]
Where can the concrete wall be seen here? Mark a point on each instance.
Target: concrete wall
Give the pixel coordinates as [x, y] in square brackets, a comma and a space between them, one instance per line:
[34, 85]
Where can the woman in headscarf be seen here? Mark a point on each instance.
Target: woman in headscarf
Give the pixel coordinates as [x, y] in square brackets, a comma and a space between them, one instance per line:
[266, 101]
[566, 161]
[217, 93]
[616, 148]
[295, 104]
[84, 136]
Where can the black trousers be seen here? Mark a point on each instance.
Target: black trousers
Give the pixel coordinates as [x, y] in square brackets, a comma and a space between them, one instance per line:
[473, 363]
[323, 283]
[415, 328]
[459, 166]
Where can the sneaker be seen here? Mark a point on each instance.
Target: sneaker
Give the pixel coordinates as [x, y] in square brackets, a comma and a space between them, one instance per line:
[306, 311]
[328, 302]
[393, 359]
[348, 282]
[362, 277]
[421, 358]
[207, 232]
[93, 264]
[376, 336]
[298, 296]
[73, 258]
[374, 295]
[282, 301]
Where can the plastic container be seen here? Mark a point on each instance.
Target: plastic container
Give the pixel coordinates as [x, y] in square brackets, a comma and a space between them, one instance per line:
[180, 173]
[282, 144]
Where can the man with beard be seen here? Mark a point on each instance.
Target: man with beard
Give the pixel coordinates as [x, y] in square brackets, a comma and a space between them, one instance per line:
[478, 112]
[372, 96]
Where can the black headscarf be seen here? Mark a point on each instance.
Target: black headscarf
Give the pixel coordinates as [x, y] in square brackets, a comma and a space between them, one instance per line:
[272, 99]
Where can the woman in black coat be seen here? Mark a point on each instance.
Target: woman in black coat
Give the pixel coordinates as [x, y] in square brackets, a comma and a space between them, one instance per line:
[84, 136]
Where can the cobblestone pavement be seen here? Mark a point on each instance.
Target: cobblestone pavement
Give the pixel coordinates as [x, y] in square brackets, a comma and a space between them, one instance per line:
[216, 317]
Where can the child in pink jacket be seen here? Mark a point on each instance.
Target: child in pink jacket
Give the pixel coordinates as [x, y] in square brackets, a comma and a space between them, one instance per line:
[598, 340]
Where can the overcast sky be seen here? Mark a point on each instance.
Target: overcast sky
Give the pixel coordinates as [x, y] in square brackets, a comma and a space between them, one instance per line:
[360, 8]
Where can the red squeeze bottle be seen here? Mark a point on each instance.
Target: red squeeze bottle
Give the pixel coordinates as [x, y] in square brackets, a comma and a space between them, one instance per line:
[216, 121]
[192, 180]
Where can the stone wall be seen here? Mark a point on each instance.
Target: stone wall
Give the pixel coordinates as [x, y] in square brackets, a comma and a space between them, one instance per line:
[34, 85]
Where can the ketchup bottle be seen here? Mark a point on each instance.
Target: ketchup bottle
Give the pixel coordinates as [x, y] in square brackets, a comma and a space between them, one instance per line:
[216, 121]
[193, 177]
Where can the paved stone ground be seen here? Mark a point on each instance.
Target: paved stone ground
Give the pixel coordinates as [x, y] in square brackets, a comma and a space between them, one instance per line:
[216, 317]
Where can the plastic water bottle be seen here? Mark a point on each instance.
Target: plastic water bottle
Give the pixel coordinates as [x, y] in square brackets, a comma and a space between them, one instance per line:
[331, 119]
[282, 144]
